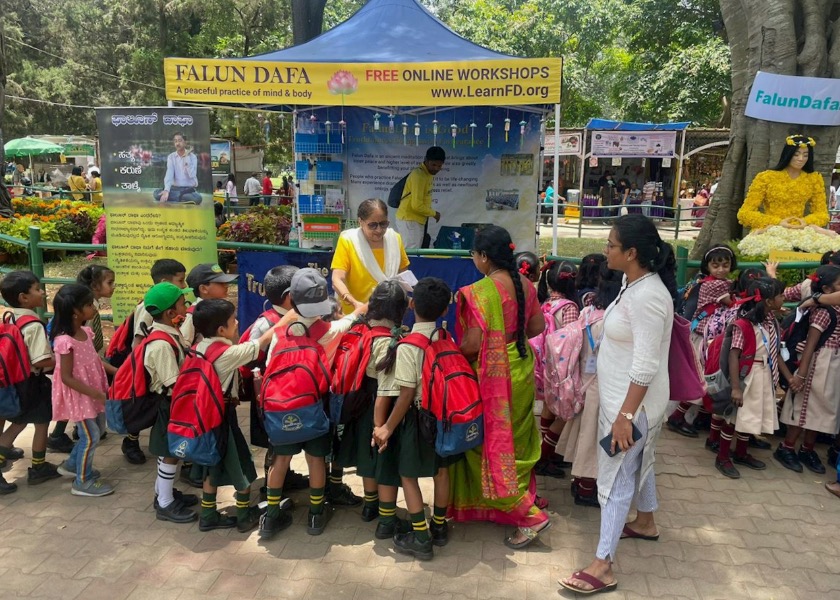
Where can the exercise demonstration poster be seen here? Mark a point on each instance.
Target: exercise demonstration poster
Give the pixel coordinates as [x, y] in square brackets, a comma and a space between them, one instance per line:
[158, 189]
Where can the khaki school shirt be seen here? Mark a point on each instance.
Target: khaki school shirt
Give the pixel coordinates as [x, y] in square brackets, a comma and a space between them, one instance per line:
[227, 365]
[35, 338]
[188, 329]
[161, 362]
[409, 369]
[385, 385]
[143, 322]
[261, 325]
[336, 329]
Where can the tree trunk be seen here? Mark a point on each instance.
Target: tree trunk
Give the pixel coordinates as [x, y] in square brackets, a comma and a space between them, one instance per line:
[5, 198]
[788, 37]
[307, 19]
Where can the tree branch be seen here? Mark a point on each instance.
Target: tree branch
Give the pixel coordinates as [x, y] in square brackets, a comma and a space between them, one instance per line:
[813, 58]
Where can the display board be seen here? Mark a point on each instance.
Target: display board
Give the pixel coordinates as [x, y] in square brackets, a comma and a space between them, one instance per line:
[156, 179]
[634, 144]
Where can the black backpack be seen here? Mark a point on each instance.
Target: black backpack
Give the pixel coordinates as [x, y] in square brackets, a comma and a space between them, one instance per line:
[795, 333]
[396, 194]
[688, 296]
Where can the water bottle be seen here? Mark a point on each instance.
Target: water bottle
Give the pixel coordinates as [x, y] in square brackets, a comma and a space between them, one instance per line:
[455, 238]
[784, 352]
[294, 240]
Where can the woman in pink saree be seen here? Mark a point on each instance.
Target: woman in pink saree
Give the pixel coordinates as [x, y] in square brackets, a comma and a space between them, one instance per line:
[496, 315]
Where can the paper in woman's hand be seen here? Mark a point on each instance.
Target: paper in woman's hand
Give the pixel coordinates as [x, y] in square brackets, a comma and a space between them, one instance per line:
[407, 280]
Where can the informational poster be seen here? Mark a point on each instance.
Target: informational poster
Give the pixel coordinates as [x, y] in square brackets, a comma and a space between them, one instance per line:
[156, 179]
[490, 175]
[570, 144]
[634, 144]
[220, 157]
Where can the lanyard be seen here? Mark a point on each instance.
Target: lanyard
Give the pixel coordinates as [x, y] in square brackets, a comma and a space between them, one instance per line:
[767, 346]
[592, 344]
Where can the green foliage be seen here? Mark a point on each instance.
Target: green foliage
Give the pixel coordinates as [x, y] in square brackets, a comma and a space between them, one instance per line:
[260, 225]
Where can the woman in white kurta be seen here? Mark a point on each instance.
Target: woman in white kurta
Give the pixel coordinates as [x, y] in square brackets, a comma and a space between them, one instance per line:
[634, 388]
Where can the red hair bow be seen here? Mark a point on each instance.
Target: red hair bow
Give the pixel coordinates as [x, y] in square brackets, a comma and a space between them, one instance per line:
[813, 277]
[525, 269]
[566, 275]
[512, 246]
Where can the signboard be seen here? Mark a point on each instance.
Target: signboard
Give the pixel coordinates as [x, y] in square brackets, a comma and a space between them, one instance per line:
[220, 157]
[158, 190]
[570, 144]
[456, 83]
[634, 144]
[782, 256]
[798, 100]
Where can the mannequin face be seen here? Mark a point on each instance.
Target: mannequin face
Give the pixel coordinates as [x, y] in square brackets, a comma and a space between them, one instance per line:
[799, 159]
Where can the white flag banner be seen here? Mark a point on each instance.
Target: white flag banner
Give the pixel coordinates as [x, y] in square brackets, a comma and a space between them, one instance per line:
[798, 100]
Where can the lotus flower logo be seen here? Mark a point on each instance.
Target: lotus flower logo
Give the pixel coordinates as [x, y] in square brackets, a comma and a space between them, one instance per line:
[342, 82]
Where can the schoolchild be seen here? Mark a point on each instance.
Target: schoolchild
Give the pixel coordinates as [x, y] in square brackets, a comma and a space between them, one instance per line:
[79, 385]
[803, 291]
[207, 281]
[431, 297]
[163, 270]
[588, 276]
[811, 404]
[276, 282]
[379, 471]
[581, 443]
[528, 264]
[215, 321]
[162, 361]
[715, 292]
[22, 291]
[558, 294]
[755, 402]
[311, 302]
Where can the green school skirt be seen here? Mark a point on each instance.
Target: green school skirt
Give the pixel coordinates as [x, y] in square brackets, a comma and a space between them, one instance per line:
[320, 447]
[356, 451]
[418, 458]
[237, 466]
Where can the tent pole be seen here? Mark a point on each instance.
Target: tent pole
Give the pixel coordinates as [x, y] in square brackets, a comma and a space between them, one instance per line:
[556, 177]
[678, 181]
[582, 171]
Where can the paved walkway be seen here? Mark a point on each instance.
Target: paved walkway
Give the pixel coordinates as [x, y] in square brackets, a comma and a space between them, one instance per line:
[772, 534]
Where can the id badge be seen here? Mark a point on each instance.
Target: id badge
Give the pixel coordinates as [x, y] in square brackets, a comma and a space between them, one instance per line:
[591, 366]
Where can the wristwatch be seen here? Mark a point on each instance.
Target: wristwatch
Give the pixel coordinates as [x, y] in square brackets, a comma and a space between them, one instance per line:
[816, 297]
[627, 415]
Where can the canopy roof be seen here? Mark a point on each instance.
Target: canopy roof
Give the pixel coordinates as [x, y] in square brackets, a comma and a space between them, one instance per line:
[607, 125]
[386, 31]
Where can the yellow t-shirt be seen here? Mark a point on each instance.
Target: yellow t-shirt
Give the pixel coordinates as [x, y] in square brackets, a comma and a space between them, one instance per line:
[96, 188]
[77, 183]
[359, 282]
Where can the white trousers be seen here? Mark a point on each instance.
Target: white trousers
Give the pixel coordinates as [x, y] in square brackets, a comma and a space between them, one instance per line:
[411, 232]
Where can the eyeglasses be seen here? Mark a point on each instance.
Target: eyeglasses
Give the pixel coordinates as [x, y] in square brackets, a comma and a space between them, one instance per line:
[610, 245]
[374, 225]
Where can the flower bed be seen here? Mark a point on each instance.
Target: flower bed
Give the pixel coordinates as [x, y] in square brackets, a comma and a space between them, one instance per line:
[260, 225]
[65, 221]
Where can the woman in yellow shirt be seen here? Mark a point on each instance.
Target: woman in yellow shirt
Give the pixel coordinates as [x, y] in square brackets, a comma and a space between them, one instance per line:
[95, 186]
[787, 190]
[366, 256]
[77, 183]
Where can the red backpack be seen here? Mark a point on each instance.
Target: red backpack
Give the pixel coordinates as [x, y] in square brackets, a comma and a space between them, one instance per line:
[717, 375]
[348, 399]
[131, 406]
[119, 347]
[247, 371]
[452, 414]
[14, 363]
[197, 430]
[295, 386]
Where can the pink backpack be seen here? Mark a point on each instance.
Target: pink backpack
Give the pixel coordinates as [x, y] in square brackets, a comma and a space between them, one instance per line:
[563, 386]
[549, 309]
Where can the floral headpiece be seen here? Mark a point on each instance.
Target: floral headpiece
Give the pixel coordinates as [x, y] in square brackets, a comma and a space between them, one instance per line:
[800, 141]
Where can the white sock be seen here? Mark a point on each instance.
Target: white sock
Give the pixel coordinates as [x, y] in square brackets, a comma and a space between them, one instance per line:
[159, 461]
[165, 484]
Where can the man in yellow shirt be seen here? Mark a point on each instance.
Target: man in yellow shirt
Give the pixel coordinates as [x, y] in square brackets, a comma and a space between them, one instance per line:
[416, 202]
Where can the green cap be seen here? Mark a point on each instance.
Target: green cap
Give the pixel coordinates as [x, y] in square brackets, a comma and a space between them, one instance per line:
[162, 296]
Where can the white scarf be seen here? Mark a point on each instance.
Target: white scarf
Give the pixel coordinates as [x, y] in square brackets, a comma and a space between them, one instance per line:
[391, 246]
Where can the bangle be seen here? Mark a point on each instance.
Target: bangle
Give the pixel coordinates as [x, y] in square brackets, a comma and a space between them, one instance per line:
[796, 374]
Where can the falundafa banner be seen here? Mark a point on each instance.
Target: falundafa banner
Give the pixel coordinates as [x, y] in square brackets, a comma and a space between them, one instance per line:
[634, 144]
[158, 190]
[792, 99]
[456, 83]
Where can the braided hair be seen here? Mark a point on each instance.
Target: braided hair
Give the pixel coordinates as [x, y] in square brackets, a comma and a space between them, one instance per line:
[494, 242]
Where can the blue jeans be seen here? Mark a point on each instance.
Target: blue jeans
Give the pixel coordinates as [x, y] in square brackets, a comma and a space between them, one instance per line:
[81, 458]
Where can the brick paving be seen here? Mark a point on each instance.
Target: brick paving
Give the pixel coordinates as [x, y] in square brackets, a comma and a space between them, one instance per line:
[772, 534]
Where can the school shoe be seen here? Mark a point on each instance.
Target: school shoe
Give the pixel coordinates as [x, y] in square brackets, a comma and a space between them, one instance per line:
[187, 500]
[407, 543]
[92, 488]
[590, 501]
[759, 444]
[682, 428]
[702, 421]
[176, 512]
[186, 477]
[66, 471]
[250, 521]
[219, 521]
[296, 481]
[548, 468]
[748, 461]
[315, 524]
[439, 533]
[132, 452]
[787, 458]
[41, 473]
[811, 461]
[60, 443]
[13, 453]
[713, 447]
[340, 494]
[832, 455]
[727, 468]
[6, 487]
[271, 526]
[386, 531]
[370, 512]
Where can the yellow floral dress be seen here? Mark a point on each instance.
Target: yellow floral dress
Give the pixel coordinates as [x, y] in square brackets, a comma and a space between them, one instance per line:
[783, 197]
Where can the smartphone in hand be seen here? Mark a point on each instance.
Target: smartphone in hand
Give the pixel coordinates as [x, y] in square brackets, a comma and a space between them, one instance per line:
[606, 441]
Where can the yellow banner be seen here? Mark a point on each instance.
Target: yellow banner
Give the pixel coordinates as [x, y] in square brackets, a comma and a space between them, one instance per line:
[782, 256]
[457, 83]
